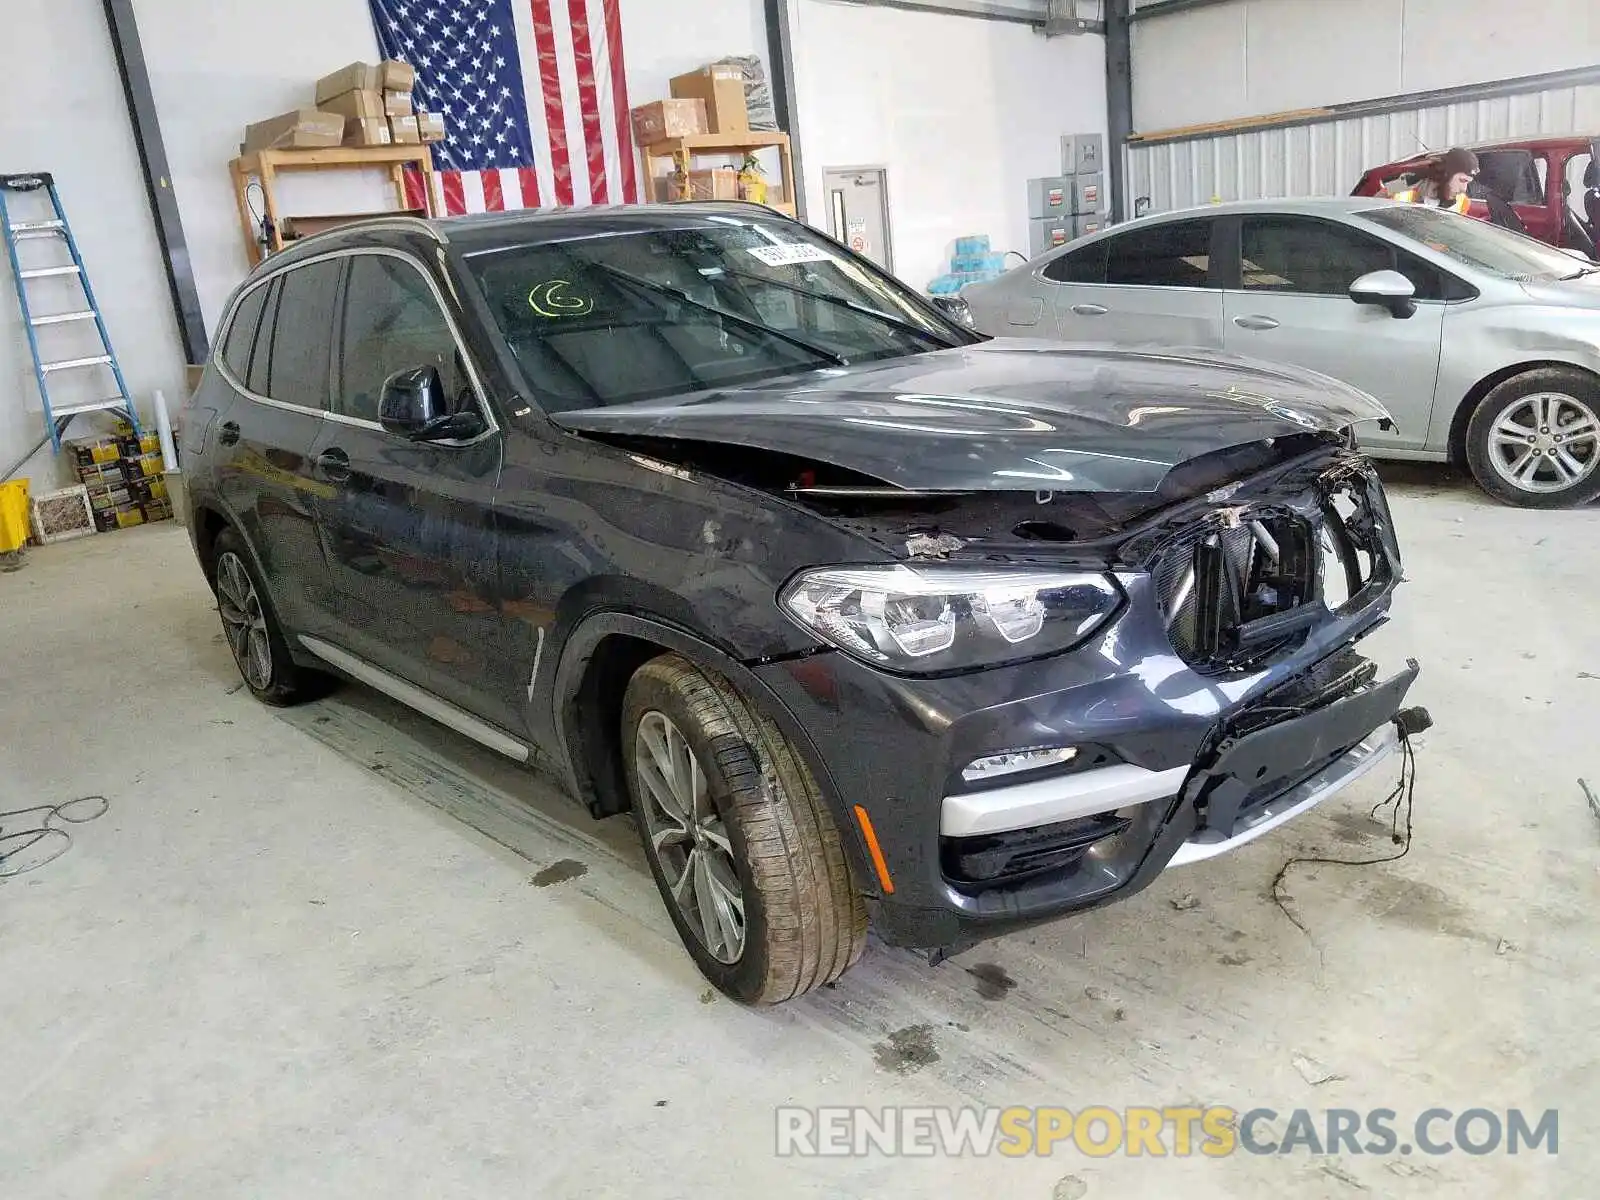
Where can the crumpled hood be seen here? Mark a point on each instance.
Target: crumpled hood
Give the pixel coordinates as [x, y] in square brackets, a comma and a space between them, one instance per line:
[1007, 415]
[1583, 292]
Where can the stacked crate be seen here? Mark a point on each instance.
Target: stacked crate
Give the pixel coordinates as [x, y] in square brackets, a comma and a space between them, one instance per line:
[125, 478]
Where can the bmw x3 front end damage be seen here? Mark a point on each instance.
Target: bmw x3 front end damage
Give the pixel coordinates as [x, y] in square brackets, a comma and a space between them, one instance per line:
[1194, 684]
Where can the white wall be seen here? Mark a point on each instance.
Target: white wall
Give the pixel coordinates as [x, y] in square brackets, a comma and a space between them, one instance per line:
[1254, 57]
[962, 112]
[62, 110]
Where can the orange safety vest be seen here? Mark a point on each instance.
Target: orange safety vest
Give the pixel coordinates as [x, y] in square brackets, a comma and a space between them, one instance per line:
[1460, 204]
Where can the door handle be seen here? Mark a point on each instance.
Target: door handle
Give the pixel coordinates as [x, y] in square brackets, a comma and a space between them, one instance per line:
[1255, 322]
[1089, 310]
[334, 463]
[228, 433]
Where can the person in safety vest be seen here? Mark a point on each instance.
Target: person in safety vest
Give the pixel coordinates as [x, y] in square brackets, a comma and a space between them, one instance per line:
[1444, 182]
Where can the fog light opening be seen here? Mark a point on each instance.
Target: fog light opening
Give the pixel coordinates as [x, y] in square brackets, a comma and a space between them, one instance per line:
[1011, 762]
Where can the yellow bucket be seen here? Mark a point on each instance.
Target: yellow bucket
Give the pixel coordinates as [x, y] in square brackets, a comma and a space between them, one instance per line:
[13, 515]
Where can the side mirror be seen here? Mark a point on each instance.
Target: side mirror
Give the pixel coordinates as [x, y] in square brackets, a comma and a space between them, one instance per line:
[414, 405]
[1387, 289]
[411, 399]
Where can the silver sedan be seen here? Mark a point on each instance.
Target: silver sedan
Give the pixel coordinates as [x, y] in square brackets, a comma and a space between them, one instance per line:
[1483, 345]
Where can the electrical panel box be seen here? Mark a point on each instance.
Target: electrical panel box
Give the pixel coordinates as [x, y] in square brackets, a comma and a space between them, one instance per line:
[1046, 233]
[1088, 194]
[1083, 154]
[1050, 197]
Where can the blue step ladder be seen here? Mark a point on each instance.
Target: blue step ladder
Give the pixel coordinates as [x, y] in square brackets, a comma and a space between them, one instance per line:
[69, 308]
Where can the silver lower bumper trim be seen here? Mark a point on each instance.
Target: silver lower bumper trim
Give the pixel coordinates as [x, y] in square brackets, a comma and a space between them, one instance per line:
[1061, 798]
[1336, 776]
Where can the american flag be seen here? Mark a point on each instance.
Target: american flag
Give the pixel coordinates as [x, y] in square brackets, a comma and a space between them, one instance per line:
[533, 96]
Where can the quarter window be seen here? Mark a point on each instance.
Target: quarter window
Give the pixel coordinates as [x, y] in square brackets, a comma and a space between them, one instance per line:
[1084, 265]
[241, 337]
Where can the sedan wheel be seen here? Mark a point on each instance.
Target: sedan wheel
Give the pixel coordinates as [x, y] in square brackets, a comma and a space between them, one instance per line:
[1534, 440]
[1546, 443]
[687, 838]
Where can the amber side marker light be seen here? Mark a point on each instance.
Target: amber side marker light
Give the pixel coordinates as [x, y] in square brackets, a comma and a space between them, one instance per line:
[875, 850]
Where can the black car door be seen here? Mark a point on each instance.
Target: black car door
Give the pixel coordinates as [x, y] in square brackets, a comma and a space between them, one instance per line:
[276, 360]
[409, 531]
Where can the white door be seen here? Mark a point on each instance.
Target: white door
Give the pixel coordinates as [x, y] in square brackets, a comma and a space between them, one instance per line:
[1150, 284]
[1293, 305]
[858, 211]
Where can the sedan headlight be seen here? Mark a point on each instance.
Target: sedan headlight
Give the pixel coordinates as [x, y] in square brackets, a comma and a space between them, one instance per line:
[930, 619]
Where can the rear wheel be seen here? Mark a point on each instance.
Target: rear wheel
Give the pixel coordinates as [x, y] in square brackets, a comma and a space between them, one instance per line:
[1534, 441]
[251, 627]
[745, 853]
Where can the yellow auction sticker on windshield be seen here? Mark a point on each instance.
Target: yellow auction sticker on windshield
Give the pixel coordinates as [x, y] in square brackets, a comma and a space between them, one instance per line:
[553, 300]
[787, 254]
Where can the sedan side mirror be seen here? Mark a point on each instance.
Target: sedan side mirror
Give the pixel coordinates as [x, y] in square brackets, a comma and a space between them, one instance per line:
[1387, 289]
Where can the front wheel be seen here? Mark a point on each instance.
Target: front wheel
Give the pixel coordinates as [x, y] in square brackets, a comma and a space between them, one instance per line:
[743, 849]
[1534, 440]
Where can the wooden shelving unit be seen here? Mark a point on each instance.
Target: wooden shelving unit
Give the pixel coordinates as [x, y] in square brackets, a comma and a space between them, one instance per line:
[264, 166]
[683, 151]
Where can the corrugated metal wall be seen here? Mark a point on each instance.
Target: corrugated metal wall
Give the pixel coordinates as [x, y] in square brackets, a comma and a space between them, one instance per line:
[1328, 157]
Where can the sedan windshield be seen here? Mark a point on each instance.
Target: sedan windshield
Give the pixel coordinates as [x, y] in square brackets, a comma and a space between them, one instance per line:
[634, 316]
[1475, 244]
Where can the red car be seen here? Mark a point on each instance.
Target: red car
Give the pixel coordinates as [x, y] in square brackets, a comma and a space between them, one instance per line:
[1551, 183]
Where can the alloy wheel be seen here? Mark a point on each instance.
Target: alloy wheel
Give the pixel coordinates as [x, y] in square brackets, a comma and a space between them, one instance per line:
[1546, 442]
[688, 838]
[243, 621]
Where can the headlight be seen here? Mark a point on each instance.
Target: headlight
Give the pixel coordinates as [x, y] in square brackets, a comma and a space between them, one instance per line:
[930, 619]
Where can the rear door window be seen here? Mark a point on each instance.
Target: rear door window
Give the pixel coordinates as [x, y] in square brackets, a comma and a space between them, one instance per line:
[303, 335]
[1171, 254]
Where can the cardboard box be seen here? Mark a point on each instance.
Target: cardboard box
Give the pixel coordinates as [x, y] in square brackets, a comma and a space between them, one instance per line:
[348, 79]
[396, 76]
[721, 87]
[91, 452]
[430, 126]
[136, 446]
[123, 517]
[665, 119]
[717, 183]
[397, 104]
[368, 131]
[404, 131]
[303, 129]
[362, 104]
[145, 466]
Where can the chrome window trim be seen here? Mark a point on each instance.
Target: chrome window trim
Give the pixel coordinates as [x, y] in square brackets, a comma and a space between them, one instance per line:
[473, 376]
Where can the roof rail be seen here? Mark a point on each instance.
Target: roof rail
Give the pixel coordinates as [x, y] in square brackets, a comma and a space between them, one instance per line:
[398, 221]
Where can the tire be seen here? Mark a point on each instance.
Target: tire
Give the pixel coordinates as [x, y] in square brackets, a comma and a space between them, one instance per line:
[1531, 410]
[257, 644]
[759, 821]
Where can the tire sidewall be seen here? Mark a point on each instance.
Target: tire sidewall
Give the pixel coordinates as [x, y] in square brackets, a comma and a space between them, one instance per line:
[1506, 396]
[743, 980]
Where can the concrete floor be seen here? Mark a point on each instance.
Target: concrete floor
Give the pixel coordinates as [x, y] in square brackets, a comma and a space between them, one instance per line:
[302, 956]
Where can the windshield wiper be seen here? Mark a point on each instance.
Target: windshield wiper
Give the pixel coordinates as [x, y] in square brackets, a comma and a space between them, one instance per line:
[840, 301]
[1580, 273]
[662, 289]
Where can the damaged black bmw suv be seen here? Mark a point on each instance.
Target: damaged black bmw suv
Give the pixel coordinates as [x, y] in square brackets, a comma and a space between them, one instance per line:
[861, 615]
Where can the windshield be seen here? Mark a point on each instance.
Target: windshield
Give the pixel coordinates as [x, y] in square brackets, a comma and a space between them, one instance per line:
[633, 316]
[1475, 243]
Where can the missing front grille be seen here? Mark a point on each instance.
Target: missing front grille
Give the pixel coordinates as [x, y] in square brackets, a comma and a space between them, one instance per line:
[1240, 588]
